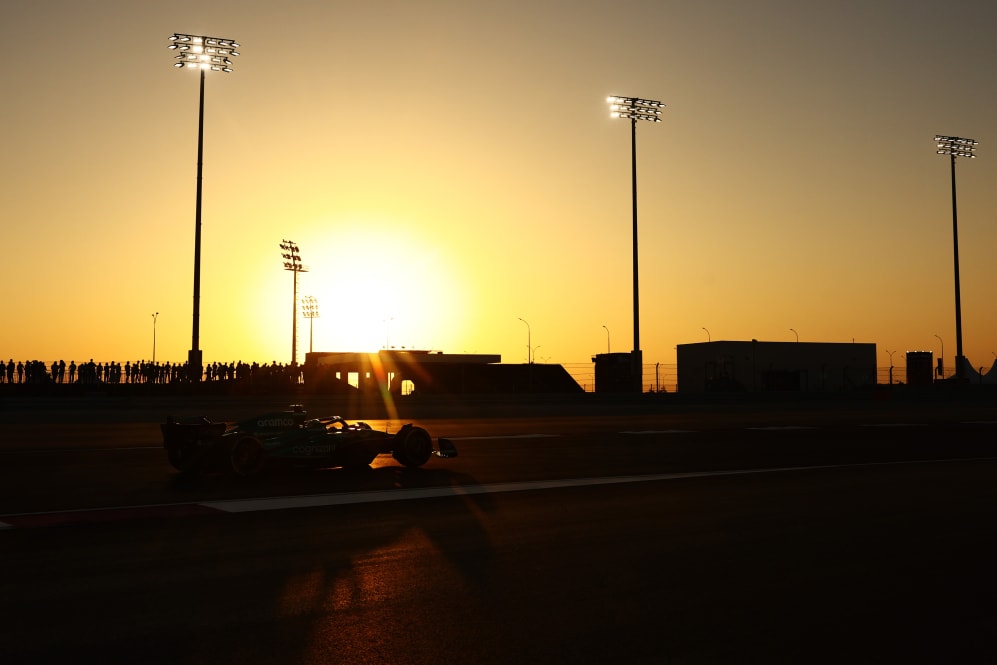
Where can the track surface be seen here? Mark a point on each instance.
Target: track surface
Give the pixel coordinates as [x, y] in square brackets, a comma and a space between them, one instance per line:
[741, 535]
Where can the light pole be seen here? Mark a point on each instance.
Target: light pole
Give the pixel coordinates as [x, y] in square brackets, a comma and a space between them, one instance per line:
[954, 146]
[607, 340]
[941, 359]
[154, 317]
[292, 262]
[797, 335]
[309, 310]
[634, 109]
[891, 364]
[529, 342]
[203, 54]
[708, 338]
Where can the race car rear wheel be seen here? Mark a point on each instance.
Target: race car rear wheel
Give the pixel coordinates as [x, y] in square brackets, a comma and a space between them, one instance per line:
[184, 457]
[246, 458]
[413, 446]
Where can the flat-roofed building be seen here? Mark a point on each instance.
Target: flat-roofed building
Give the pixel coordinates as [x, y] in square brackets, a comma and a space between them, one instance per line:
[403, 372]
[753, 366]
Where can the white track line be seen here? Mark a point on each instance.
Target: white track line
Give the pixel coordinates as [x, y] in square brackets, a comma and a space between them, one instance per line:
[348, 498]
[502, 436]
[318, 500]
[659, 431]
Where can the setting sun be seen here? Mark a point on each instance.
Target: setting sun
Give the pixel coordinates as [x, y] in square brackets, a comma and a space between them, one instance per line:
[378, 286]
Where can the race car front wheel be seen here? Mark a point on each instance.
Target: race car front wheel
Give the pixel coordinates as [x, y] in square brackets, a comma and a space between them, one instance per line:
[247, 457]
[413, 446]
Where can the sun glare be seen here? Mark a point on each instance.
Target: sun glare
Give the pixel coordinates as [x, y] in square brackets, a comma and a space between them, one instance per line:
[380, 288]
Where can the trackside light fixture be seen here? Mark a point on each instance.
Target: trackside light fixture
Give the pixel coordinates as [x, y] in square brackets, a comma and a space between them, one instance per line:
[953, 147]
[292, 262]
[292, 256]
[956, 146]
[197, 52]
[203, 54]
[635, 108]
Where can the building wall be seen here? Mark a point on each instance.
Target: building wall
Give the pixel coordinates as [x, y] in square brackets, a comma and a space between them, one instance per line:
[430, 373]
[807, 367]
[616, 373]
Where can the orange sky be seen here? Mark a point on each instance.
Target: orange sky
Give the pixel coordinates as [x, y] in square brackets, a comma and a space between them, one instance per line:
[449, 168]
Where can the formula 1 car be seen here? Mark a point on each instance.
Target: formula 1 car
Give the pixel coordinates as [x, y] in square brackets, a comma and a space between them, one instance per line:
[246, 447]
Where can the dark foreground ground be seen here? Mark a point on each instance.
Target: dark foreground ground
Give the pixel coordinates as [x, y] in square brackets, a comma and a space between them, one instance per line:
[870, 564]
[857, 530]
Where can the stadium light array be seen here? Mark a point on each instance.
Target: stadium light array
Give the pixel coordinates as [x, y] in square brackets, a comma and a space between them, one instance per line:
[634, 109]
[956, 146]
[292, 262]
[210, 53]
[203, 54]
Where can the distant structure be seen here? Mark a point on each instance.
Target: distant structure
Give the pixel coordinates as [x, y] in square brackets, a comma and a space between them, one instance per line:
[919, 368]
[919, 371]
[614, 373]
[976, 375]
[804, 367]
[407, 372]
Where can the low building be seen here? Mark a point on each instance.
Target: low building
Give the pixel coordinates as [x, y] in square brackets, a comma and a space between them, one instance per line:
[804, 367]
[430, 372]
[919, 368]
[617, 373]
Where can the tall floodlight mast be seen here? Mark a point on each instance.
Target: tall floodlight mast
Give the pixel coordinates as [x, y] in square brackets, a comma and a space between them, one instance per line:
[203, 54]
[292, 262]
[634, 109]
[954, 146]
[309, 310]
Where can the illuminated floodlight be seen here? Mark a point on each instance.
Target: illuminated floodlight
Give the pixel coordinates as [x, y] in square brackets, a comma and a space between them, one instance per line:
[292, 256]
[198, 52]
[635, 108]
[956, 146]
[292, 262]
[203, 54]
[309, 310]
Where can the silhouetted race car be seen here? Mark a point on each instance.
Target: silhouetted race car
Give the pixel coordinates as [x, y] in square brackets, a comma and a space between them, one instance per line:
[246, 447]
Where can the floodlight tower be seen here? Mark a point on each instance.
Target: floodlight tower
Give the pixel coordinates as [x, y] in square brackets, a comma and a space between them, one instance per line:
[292, 262]
[203, 54]
[954, 146]
[309, 310]
[634, 109]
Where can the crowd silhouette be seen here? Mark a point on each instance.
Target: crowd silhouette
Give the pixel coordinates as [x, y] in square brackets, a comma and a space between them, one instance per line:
[36, 372]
